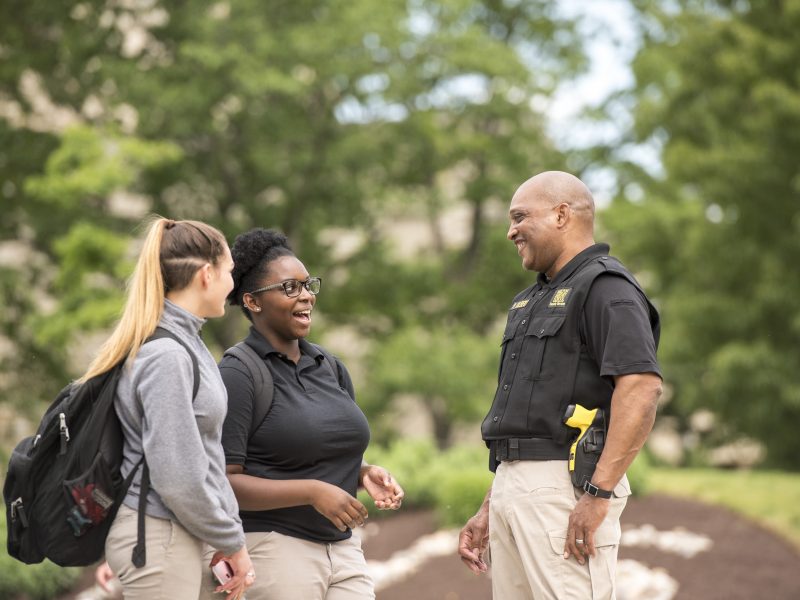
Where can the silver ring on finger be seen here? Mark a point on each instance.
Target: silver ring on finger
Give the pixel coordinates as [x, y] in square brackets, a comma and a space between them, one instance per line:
[579, 541]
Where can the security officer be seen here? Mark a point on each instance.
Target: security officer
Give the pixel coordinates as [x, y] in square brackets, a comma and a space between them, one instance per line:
[584, 333]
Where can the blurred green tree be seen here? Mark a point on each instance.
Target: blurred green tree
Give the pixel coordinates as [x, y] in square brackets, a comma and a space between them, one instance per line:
[715, 233]
[320, 118]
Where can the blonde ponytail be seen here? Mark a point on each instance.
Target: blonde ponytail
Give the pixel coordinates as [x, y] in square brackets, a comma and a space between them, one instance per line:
[173, 252]
[143, 307]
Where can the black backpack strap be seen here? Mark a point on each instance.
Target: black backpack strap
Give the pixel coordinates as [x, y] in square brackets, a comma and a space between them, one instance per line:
[159, 334]
[139, 554]
[333, 364]
[263, 384]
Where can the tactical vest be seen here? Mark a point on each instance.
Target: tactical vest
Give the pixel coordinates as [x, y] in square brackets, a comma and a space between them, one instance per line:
[545, 366]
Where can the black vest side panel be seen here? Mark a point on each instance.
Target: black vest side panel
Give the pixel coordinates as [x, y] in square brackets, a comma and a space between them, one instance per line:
[544, 364]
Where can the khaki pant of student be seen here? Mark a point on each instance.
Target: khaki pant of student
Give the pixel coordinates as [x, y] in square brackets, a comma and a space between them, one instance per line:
[173, 570]
[289, 568]
[529, 512]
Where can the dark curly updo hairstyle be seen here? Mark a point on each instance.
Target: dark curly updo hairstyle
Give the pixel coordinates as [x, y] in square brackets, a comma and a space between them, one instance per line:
[252, 253]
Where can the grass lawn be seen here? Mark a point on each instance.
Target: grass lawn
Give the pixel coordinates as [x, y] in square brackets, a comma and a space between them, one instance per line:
[772, 498]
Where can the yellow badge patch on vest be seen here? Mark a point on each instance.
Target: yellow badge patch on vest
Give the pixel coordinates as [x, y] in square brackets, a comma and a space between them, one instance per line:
[520, 304]
[560, 297]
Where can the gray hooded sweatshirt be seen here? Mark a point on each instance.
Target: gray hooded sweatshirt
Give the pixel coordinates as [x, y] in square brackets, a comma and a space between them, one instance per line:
[180, 438]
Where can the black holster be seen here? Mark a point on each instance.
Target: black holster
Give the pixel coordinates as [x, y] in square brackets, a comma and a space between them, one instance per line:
[588, 451]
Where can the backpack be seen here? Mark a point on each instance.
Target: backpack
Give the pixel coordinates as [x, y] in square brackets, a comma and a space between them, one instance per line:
[64, 484]
[264, 390]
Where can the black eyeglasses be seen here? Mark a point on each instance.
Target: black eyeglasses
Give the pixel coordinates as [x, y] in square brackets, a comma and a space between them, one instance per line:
[292, 287]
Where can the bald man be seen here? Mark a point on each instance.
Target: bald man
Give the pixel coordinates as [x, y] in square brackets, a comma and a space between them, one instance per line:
[585, 334]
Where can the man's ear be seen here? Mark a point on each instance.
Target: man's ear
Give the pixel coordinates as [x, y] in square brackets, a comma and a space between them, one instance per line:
[563, 214]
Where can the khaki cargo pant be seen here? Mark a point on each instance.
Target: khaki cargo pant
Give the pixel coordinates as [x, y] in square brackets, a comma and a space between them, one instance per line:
[173, 570]
[529, 512]
[289, 568]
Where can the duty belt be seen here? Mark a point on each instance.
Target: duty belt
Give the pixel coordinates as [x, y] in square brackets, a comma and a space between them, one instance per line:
[528, 449]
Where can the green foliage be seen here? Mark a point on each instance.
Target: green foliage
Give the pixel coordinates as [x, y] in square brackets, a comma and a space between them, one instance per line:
[315, 118]
[36, 582]
[639, 474]
[454, 482]
[409, 461]
[716, 235]
[450, 368]
[90, 164]
[33, 371]
[89, 284]
[459, 494]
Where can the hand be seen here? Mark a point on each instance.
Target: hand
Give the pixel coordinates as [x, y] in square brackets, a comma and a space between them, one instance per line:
[336, 505]
[381, 487]
[473, 541]
[243, 573]
[586, 517]
[103, 576]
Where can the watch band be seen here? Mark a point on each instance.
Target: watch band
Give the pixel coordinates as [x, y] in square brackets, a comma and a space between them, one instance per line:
[593, 490]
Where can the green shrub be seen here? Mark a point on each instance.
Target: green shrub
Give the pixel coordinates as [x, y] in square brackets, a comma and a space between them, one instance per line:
[639, 474]
[453, 482]
[459, 495]
[35, 582]
[411, 462]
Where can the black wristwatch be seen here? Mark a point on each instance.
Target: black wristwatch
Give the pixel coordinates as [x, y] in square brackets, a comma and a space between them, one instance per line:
[593, 490]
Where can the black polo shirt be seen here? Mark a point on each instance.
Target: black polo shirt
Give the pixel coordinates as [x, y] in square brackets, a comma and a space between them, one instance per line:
[616, 329]
[314, 430]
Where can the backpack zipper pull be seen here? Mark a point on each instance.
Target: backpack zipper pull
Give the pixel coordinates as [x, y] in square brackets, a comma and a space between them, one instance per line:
[18, 511]
[64, 435]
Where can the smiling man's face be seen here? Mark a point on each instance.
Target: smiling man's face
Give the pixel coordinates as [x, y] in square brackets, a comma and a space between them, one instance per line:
[533, 229]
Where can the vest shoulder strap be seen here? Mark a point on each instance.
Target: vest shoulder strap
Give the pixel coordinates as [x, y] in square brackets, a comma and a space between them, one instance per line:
[612, 266]
[595, 267]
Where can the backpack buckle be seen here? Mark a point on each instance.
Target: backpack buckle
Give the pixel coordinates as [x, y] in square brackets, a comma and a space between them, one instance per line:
[18, 512]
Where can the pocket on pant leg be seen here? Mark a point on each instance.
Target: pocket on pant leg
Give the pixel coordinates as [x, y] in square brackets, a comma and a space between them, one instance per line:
[120, 541]
[598, 583]
[602, 570]
[168, 534]
[604, 536]
[623, 488]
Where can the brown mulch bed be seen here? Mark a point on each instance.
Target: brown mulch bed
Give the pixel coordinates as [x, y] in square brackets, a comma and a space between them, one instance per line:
[745, 561]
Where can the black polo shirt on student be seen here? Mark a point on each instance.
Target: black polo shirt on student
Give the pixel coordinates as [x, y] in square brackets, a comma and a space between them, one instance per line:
[314, 430]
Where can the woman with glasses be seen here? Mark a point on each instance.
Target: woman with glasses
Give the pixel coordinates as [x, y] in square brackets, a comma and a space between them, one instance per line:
[295, 471]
